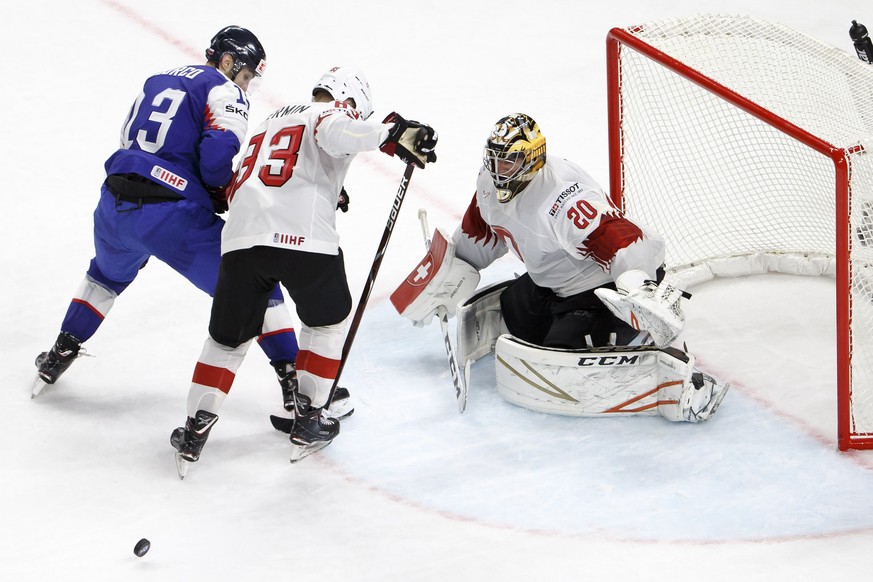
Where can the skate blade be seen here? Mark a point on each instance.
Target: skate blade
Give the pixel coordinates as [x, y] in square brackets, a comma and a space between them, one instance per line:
[38, 386]
[182, 466]
[302, 451]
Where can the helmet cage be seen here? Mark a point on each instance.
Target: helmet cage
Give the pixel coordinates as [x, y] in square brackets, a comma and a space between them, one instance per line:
[514, 153]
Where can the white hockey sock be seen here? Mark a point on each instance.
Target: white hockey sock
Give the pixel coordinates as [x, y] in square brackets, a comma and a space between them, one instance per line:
[213, 375]
[318, 360]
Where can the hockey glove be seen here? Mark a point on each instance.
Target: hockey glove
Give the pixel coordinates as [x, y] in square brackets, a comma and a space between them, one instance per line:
[218, 195]
[439, 280]
[343, 202]
[411, 141]
[649, 307]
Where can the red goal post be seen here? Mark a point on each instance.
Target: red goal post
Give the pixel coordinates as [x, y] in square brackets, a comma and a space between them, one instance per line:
[743, 143]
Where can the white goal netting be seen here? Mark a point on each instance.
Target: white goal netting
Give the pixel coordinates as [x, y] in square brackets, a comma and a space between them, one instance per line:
[749, 146]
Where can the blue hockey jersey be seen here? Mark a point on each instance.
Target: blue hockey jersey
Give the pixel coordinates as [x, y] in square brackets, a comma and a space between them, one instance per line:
[183, 131]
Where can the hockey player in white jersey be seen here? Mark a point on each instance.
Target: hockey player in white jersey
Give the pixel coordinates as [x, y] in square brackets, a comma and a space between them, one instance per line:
[582, 320]
[282, 228]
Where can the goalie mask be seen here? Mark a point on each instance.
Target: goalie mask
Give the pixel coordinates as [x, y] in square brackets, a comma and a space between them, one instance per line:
[242, 45]
[514, 153]
[347, 83]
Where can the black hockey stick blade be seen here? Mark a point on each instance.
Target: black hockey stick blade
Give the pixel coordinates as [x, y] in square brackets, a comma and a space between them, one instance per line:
[281, 423]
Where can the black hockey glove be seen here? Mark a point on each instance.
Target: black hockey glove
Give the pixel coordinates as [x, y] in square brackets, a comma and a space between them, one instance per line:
[343, 202]
[411, 141]
[218, 195]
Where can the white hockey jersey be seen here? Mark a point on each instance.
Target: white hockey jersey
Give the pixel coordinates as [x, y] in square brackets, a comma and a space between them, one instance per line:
[286, 189]
[563, 226]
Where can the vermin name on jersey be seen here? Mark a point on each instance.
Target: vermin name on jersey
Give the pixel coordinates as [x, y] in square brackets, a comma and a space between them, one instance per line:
[289, 110]
[288, 239]
[187, 72]
[169, 178]
[559, 201]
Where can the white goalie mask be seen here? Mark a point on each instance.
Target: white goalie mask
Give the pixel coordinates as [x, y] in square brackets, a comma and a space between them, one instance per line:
[348, 83]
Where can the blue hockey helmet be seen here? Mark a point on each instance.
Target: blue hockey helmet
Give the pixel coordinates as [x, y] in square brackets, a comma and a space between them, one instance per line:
[242, 45]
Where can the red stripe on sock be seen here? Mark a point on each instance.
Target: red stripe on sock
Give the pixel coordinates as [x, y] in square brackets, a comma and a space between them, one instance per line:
[213, 376]
[317, 365]
[278, 331]
[89, 306]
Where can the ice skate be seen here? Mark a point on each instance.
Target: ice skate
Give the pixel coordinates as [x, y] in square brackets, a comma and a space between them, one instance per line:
[189, 440]
[311, 431]
[51, 364]
[340, 407]
[702, 397]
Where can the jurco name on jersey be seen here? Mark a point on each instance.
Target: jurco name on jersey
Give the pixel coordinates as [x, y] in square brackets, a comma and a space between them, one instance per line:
[288, 239]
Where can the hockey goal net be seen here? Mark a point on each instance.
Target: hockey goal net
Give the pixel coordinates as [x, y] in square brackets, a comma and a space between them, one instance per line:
[749, 147]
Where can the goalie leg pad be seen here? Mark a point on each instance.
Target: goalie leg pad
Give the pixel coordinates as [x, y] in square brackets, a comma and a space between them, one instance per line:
[642, 380]
[480, 323]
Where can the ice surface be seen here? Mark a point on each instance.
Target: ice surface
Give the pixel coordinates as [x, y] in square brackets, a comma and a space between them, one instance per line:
[411, 490]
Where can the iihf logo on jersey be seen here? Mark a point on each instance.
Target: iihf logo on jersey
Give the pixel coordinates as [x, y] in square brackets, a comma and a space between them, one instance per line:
[169, 178]
[288, 239]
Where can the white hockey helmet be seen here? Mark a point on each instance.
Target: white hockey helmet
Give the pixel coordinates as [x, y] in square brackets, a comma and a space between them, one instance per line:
[348, 82]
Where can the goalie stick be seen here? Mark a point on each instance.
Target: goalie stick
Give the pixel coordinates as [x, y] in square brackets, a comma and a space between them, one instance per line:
[287, 424]
[460, 381]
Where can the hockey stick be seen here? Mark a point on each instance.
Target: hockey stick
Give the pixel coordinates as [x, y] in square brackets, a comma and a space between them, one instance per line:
[287, 424]
[460, 381]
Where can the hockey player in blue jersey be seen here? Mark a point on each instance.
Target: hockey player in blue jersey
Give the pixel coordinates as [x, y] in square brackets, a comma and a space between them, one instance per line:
[162, 191]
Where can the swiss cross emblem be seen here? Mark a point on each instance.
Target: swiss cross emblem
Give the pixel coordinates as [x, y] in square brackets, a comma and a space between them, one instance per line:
[421, 274]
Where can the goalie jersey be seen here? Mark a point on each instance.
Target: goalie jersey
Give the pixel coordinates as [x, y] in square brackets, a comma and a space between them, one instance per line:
[562, 226]
[295, 165]
[183, 132]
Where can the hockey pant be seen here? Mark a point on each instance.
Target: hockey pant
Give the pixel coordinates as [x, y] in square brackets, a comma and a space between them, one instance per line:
[183, 235]
[317, 285]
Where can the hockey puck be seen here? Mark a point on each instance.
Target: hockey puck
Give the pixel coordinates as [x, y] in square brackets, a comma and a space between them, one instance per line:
[142, 547]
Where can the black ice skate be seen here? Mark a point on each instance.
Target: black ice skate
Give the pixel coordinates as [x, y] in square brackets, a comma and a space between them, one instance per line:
[51, 364]
[189, 440]
[340, 407]
[311, 431]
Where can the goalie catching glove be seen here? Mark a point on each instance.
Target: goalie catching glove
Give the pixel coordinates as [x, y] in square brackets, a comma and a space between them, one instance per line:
[411, 141]
[439, 280]
[647, 306]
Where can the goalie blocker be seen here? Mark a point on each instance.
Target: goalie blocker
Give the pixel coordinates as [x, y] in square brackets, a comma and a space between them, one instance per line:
[611, 381]
[439, 280]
